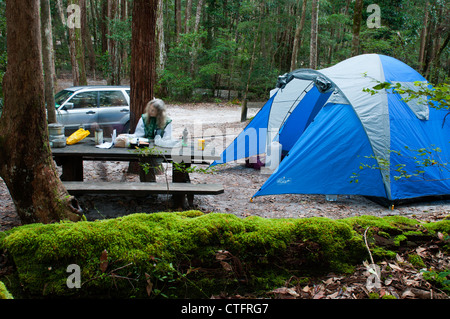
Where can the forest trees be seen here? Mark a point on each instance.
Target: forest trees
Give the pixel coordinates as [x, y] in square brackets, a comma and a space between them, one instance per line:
[204, 48]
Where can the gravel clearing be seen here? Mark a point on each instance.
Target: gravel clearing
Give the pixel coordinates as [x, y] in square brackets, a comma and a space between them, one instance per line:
[240, 182]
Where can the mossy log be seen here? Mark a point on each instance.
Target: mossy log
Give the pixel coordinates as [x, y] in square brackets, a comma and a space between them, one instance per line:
[195, 255]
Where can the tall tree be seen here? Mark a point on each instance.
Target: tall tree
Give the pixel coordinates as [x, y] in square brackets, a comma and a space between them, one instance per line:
[187, 16]
[143, 44]
[423, 34]
[357, 18]
[86, 35]
[244, 108]
[113, 45]
[76, 47]
[314, 34]
[26, 163]
[178, 19]
[298, 35]
[196, 28]
[161, 42]
[47, 59]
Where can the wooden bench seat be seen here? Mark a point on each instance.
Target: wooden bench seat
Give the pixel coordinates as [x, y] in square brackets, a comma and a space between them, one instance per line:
[139, 188]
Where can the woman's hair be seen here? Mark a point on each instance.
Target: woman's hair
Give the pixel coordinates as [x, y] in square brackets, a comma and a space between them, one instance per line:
[160, 107]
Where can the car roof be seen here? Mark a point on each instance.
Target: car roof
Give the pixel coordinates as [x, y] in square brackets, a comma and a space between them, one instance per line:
[89, 87]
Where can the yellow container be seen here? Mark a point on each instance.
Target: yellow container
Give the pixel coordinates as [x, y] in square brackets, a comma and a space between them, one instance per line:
[201, 144]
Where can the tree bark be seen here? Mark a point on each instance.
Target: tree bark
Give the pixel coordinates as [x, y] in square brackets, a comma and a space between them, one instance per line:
[357, 18]
[87, 36]
[314, 34]
[244, 108]
[298, 36]
[143, 62]
[47, 59]
[196, 27]
[437, 59]
[26, 163]
[113, 48]
[161, 41]
[77, 51]
[103, 25]
[187, 16]
[178, 19]
[423, 35]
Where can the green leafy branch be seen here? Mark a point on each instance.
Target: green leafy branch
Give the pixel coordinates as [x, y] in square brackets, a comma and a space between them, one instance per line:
[435, 95]
[422, 157]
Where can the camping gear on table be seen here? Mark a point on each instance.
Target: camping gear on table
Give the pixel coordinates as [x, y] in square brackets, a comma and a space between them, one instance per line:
[56, 135]
[77, 136]
[331, 130]
[98, 136]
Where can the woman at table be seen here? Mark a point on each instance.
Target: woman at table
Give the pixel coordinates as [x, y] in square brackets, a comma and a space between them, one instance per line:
[154, 121]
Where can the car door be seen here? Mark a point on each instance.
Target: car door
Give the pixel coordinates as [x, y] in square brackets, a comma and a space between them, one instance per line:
[114, 111]
[80, 110]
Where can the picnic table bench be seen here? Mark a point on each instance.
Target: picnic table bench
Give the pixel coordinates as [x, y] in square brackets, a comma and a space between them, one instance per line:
[71, 158]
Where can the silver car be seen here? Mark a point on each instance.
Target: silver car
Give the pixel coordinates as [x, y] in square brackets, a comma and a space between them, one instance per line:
[91, 107]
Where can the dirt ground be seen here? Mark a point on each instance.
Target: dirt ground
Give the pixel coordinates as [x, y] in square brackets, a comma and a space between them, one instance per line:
[240, 182]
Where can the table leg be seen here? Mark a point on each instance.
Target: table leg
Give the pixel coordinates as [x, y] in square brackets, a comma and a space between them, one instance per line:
[147, 169]
[72, 168]
[182, 177]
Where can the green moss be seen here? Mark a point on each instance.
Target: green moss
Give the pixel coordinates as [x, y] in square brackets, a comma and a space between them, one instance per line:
[380, 253]
[374, 295]
[384, 234]
[416, 261]
[4, 293]
[177, 253]
[399, 239]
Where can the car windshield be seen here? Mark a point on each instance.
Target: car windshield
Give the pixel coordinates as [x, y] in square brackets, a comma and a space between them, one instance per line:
[61, 97]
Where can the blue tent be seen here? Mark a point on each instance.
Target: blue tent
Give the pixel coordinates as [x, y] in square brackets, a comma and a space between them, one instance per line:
[335, 134]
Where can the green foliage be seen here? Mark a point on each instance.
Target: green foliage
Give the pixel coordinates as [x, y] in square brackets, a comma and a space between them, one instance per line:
[439, 278]
[4, 293]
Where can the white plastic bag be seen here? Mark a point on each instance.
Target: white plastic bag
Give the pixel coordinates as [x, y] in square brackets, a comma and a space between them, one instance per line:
[166, 142]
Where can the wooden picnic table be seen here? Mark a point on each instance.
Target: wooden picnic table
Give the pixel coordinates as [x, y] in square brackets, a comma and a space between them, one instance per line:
[71, 159]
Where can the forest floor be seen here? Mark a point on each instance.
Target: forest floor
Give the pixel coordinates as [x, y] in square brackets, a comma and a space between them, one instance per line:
[240, 183]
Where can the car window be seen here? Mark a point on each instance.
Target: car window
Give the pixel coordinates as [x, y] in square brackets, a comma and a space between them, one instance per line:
[112, 98]
[61, 97]
[84, 100]
[128, 92]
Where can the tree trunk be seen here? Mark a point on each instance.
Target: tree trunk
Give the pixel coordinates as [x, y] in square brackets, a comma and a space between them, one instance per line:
[47, 59]
[87, 36]
[124, 66]
[178, 19]
[77, 51]
[196, 26]
[187, 16]
[252, 59]
[143, 44]
[93, 21]
[161, 43]
[26, 163]
[437, 60]
[314, 34]
[423, 35]
[357, 18]
[103, 25]
[113, 49]
[298, 36]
